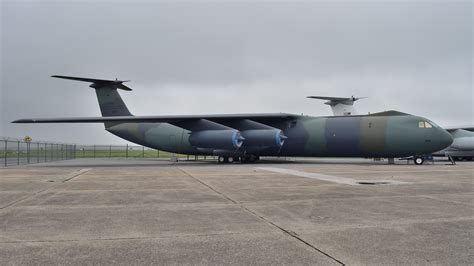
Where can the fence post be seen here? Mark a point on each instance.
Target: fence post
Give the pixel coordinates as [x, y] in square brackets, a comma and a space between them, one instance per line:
[18, 152]
[126, 151]
[27, 153]
[110, 151]
[37, 152]
[143, 151]
[94, 150]
[6, 143]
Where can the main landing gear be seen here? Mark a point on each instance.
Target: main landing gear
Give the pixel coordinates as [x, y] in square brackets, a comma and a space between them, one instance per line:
[242, 159]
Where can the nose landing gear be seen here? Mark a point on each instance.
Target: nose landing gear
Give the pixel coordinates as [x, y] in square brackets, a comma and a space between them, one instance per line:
[419, 160]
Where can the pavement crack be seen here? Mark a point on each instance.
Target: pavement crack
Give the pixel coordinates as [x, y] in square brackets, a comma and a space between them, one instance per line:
[287, 232]
[55, 184]
[208, 186]
[292, 234]
[116, 238]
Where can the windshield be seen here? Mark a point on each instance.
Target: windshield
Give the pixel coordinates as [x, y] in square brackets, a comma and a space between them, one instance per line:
[426, 124]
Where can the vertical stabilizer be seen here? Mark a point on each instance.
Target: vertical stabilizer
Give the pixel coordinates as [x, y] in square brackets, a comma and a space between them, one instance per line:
[110, 102]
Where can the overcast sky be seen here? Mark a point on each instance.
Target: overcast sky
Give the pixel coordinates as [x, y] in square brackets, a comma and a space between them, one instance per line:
[234, 57]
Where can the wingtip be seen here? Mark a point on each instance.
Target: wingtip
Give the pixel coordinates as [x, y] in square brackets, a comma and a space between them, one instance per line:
[23, 121]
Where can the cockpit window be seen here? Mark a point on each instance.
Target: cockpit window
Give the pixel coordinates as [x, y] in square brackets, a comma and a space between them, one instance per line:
[424, 124]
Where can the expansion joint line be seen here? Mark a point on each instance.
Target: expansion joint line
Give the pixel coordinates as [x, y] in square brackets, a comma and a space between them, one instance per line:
[291, 234]
[260, 217]
[208, 186]
[66, 178]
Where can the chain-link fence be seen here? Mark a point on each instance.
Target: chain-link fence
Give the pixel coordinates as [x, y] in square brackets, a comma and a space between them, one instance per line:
[118, 151]
[129, 151]
[18, 152]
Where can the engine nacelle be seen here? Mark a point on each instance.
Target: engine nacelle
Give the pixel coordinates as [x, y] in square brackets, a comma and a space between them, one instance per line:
[217, 139]
[264, 138]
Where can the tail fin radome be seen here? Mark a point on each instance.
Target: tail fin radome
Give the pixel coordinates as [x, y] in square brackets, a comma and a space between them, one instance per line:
[110, 102]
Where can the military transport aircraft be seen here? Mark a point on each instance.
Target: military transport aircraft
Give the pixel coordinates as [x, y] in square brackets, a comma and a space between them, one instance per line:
[246, 137]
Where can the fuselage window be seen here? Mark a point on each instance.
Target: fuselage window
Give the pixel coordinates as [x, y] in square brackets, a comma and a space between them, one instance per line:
[428, 125]
[421, 124]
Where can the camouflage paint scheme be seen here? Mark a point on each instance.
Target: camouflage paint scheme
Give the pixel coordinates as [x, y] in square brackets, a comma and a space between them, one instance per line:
[390, 134]
[386, 134]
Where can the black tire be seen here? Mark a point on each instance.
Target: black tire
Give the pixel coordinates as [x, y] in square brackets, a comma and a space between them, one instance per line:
[418, 160]
[223, 159]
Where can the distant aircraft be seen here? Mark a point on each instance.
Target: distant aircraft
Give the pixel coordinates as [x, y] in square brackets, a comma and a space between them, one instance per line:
[340, 105]
[462, 147]
[246, 137]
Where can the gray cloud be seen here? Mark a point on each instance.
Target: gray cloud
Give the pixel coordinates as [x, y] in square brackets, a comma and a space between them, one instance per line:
[210, 57]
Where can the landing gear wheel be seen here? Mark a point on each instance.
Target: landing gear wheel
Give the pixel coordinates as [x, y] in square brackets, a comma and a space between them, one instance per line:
[222, 159]
[418, 160]
[230, 159]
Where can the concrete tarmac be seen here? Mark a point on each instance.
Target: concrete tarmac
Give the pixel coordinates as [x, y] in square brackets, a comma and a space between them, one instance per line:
[118, 211]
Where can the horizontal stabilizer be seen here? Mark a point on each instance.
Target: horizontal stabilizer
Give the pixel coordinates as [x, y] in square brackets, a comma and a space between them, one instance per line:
[99, 83]
[337, 100]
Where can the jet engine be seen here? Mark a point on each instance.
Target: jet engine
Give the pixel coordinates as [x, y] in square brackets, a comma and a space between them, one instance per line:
[217, 139]
[264, 138]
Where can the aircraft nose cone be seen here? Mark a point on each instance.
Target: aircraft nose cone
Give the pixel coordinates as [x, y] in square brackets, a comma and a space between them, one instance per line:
[445, 139]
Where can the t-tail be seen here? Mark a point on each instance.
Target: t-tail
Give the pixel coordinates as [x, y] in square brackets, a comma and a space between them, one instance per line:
[110, 102]
[340, 106]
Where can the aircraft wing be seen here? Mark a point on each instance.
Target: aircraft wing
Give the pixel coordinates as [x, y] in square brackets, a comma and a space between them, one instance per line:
[190, 122]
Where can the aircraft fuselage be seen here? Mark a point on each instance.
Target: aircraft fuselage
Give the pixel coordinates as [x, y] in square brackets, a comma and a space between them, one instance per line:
[339, 136]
